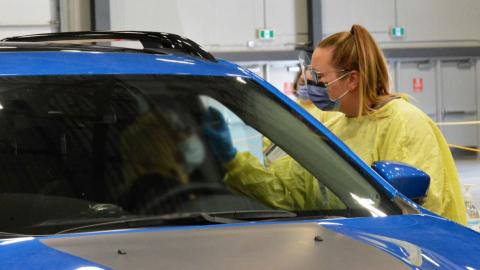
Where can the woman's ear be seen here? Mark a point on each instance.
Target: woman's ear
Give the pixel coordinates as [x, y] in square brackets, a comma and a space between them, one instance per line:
[353, 80]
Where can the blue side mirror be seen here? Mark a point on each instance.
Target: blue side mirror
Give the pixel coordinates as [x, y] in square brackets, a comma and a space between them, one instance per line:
[409, 180]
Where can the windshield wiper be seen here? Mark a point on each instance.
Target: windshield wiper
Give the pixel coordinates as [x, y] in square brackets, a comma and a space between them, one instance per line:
[180, 219]
[252, 215]
[6, 235]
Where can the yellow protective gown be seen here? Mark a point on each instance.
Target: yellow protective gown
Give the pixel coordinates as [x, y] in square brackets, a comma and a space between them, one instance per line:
[398, 131]
[285, 184]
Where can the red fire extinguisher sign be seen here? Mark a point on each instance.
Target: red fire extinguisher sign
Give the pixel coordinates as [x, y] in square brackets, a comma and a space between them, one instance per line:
[417, 85]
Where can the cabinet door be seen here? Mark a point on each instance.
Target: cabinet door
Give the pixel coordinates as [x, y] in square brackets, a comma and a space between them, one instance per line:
[376, 16]
[417, 79]
[288, 18]
[439, 20]
[26, 17]
[459, 101]
[26, 12]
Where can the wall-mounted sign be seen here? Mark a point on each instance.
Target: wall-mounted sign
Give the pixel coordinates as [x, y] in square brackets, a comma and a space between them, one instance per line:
[266, 34]
[417, 85]
[397, 32]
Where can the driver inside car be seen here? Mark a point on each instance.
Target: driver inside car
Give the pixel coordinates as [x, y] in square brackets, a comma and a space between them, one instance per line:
[162, 151]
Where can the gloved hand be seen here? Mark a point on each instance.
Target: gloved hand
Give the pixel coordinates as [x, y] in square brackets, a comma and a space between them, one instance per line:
[218, 135]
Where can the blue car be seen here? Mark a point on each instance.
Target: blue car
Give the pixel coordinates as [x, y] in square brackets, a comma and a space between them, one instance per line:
[106, 164]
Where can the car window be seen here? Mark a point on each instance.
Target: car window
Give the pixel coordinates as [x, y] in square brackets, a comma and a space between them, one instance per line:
[81, 149]
[306, 148]
[244, 137]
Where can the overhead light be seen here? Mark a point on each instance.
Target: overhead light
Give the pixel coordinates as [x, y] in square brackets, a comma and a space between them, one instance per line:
[293, 69]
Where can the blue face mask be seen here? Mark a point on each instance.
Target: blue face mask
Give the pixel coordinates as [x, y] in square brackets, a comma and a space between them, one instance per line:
[319, 96]
[302, 93]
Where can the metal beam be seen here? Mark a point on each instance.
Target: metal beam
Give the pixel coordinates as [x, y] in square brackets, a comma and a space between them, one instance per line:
[314, 14]
[100, 15]
[432, 52]
[75, 15]
[257, 56]
[389, 53]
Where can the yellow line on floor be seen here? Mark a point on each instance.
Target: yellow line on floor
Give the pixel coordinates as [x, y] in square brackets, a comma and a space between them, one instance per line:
[465, 148]
[458, 123]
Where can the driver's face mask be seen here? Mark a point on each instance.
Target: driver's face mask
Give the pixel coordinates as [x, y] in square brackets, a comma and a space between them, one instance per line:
[318, 94]
[193, 152]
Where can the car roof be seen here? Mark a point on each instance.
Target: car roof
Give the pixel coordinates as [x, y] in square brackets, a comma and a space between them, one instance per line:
[40, 59]
[103, 63]
[150, 41]
[59, 54]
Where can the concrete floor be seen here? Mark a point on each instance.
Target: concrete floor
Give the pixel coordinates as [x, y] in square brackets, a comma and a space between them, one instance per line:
[469, 173]
[468, 170]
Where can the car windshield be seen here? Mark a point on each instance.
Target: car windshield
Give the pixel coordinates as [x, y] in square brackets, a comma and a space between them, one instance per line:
[80, 150]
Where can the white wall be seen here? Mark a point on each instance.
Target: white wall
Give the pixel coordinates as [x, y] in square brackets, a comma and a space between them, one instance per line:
[218, 25]
[22, 17]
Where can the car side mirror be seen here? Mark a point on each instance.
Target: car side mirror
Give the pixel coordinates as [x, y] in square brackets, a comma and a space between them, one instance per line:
[409, 180]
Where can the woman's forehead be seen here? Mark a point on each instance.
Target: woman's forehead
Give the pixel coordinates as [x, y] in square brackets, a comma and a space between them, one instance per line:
[321, 59]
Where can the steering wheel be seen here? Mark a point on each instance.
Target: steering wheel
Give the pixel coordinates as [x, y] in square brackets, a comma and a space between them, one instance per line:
[182, 191]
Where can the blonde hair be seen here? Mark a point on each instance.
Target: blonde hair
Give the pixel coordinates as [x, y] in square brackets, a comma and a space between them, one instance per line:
[357, 50]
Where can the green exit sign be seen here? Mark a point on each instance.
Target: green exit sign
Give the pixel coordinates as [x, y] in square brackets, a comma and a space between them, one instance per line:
[266, 34]
[397, 31]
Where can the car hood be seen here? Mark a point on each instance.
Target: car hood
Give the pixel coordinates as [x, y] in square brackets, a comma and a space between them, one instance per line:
[396, 242]
[421, 241]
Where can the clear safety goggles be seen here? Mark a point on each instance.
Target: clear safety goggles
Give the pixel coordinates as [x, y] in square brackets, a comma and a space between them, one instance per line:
[314, 76]
[311, 76]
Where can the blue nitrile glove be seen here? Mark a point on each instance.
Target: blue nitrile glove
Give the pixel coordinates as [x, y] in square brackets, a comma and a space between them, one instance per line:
[218, 135]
